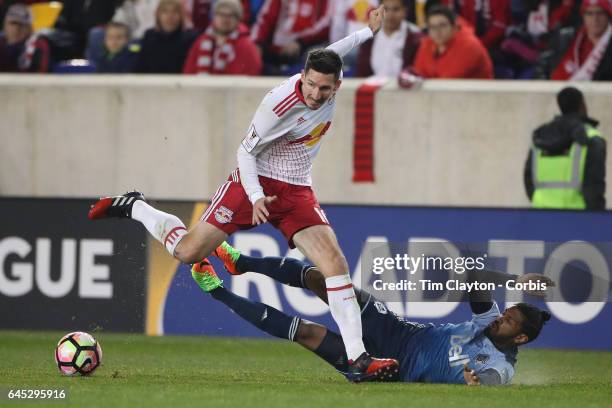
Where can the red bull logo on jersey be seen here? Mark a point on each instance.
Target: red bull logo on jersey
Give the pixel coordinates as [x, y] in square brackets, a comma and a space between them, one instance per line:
[314, 136]
[223, 215]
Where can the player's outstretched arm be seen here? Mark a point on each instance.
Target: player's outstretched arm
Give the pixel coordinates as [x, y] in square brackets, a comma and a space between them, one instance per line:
[345, 45]
[481, 300]
[486, 377]
[376, 18]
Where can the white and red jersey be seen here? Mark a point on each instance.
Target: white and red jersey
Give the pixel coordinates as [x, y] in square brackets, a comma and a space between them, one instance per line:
[285, 135]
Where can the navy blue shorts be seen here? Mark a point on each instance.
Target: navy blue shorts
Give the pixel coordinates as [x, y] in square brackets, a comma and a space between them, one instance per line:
[385, 334]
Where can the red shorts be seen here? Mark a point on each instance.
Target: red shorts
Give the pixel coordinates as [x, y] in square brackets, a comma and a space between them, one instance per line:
[295, 208]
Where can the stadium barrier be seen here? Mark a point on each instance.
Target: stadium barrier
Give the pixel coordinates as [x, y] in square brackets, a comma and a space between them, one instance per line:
[450, 143]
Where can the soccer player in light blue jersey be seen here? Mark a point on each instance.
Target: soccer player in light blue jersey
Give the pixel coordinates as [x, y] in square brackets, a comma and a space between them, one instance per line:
[482, 350]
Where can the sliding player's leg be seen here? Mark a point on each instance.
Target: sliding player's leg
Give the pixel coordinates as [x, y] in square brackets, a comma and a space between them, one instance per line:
[288, 271]
[383, 331]
[312, 336]
[262, 316]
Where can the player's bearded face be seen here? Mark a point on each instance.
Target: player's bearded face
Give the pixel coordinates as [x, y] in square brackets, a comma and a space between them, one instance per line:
[505, 327]
[317, 88]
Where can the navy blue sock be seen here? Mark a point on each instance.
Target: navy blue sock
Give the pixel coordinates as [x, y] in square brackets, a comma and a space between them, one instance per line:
[285, 270]
[332, 350]
[262, 316]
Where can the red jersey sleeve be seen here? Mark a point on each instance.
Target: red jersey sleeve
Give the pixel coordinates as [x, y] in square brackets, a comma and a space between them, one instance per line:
[266, 22]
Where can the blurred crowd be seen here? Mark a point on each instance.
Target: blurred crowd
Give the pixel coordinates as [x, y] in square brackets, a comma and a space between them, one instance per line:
[480, 39]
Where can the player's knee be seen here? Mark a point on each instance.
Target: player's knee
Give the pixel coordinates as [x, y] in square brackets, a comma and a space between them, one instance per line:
[335, 265]
[315, 281]
[308, 334]
[187, 253]
[303, 333]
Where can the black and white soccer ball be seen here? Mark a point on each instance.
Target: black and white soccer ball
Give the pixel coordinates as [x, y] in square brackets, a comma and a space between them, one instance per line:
[78, 353]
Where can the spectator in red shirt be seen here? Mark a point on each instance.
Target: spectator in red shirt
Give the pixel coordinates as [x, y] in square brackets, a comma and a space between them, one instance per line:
[22, 51]
[589, 56]
[393, 48]
[225, 48]
[285, 29]
[449, 52]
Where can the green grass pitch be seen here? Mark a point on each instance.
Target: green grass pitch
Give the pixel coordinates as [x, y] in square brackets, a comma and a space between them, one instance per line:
[173, 372]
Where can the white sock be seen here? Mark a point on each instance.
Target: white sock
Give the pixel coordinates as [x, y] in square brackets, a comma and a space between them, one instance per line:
[345, 311]
[166, 228]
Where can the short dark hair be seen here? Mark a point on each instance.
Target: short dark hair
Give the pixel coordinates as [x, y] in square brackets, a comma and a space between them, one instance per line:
[441, 10]
[570, 100]
[117, 24]
[324, 61]
[534, 320]
[432, 3]
[403, 3]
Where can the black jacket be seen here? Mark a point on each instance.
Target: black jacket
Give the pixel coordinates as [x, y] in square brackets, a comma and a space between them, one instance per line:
[79, 16]
[556, 137]
[164, 53]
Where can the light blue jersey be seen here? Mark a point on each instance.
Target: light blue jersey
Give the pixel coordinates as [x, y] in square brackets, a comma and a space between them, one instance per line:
[437, 353]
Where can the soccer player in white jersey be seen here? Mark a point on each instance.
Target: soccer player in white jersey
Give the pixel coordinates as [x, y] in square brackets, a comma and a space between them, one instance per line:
[272, 184]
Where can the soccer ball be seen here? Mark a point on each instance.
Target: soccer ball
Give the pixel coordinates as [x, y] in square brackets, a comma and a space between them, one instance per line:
[78, 352]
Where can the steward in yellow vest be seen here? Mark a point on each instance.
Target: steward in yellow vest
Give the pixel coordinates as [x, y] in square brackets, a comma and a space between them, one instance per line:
[566, 165]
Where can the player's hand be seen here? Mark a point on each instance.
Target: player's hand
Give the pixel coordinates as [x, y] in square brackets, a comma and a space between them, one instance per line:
[470, 376]
[376, 18]
[535, 277]
[260, 212]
